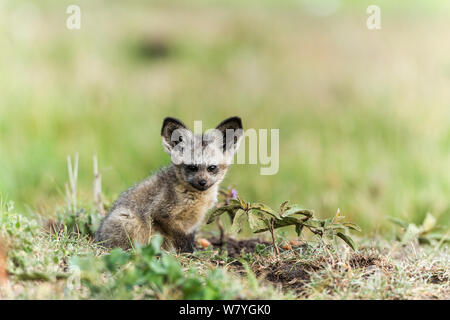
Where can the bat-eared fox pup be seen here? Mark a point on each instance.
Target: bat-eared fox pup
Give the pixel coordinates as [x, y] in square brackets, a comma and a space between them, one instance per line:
[174, 201]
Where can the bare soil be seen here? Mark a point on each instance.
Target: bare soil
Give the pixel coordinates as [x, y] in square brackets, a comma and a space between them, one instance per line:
[290, 275]
[235, 247]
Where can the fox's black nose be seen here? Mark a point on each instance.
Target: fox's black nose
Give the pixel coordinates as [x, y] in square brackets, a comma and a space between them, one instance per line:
[202, 182]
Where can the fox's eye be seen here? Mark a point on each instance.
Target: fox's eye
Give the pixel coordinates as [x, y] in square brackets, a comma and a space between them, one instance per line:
[191, 167]
[212, 168]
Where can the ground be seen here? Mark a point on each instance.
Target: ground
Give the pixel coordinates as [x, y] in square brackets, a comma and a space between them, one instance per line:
[58, 261]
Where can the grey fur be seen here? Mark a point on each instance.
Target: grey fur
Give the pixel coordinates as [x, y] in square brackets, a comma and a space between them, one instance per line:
[174, 201]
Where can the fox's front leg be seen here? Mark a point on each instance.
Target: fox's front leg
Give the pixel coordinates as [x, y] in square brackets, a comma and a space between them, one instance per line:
[174, 235]
[184, 242]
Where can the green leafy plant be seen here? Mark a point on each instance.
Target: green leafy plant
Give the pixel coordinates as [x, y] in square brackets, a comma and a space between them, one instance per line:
[262, 218]
[16, 228]
[428, 232]
[149, 272]
[82, 222]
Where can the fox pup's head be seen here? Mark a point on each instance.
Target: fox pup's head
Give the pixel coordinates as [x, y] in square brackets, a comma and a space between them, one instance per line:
[201, 160]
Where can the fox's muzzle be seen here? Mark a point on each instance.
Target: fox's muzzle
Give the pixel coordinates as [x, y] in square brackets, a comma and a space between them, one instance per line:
[201, 184]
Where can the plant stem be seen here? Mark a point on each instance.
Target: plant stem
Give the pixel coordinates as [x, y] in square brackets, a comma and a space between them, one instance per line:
[273, 238]
[221, 230]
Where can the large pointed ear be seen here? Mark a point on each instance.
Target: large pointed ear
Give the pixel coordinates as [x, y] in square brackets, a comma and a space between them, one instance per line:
[231, 132]
[173, 132]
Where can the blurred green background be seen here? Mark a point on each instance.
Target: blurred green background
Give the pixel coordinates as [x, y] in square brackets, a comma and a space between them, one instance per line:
[364, 116]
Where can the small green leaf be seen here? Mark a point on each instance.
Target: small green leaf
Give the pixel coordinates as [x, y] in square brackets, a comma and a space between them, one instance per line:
[296, 209]
[352, 226]
[348, 240]
[242, 202]
[398, 222]
[313, 223]
[257, 220]
[237, 222]
[428, 223]
[335, 226]
[219, 211]
[438, 237]
[262, 207]
[279, 223]
[116, 258]
[327, 222]
[412, 232]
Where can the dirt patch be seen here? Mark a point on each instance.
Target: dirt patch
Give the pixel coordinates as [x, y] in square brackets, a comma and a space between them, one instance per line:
[438, 277]
[289, 275]
[235, 247]
[370, 262]
[360, 261]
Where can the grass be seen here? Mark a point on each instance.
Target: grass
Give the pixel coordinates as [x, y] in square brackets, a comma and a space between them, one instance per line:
[363, 118]
[51, 261]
